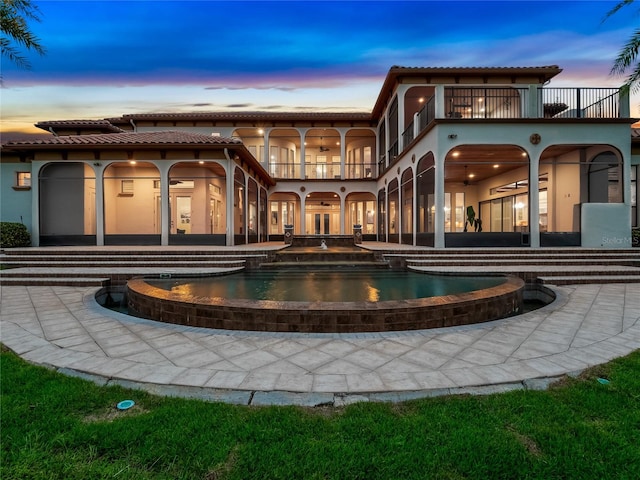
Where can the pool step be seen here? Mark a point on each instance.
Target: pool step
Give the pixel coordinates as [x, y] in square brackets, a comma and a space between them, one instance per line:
[61, 281]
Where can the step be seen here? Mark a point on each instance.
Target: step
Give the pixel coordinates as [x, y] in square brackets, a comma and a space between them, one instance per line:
[520, 261]
[121, 273]
[60, 281]
[72, 263]
[582, 279]
[323, 265]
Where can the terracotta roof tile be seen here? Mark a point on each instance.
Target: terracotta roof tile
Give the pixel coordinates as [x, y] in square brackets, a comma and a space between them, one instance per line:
[79, 124]
[266, 116]
[145, 138]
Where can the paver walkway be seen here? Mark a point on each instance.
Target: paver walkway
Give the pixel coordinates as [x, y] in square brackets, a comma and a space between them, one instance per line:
[64, 328]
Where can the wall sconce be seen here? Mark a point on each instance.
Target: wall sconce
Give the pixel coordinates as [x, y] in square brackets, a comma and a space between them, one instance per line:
[97, 164]
[453, 136]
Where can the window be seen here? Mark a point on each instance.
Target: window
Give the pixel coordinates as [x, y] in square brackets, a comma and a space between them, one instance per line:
[23, 181]
[126, 187]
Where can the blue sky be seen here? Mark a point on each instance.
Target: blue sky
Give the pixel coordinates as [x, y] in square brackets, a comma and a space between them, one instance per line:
[107, 58]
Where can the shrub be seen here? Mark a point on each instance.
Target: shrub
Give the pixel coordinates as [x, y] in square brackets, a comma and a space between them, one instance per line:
[14, 234]
[635, 237]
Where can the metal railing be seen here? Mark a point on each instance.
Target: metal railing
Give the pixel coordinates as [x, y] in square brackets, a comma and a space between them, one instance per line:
[407, 136]
[579, 102]
[285, 170]
[322, 171]
[356, 171]
[501, 102]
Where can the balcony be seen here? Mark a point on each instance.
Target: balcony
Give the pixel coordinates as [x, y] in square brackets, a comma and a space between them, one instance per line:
[467, 103]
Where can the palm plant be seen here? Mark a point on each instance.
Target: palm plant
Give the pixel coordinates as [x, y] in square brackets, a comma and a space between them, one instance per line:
[15, 30]
[627, 58]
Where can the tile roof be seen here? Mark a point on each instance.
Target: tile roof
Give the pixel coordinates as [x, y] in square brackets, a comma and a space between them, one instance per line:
[79, 124]
[256, 115]
[133, 139]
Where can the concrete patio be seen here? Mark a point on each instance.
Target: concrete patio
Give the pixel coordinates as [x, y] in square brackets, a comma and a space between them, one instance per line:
[64, 328]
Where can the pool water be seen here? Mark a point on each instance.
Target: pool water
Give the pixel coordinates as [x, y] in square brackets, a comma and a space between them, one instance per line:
[326, 286]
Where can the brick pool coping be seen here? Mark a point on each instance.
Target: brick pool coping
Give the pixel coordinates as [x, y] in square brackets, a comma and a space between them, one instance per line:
[504, 300]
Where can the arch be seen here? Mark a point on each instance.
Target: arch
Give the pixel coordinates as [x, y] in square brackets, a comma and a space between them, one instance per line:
[252, 138]
[393, 209]
[197, 203]
[360, 209]
[571, 176]
[262, 224]
[425, 194]
[239, 207]
[382, 215]
[406, 202]
[493, 180]
[322, 211]
[285, 153]
[132, 203]
[284, 208]
[605, 178]
[322, 154]
[360, 151]
[67, 208]
[252, 211]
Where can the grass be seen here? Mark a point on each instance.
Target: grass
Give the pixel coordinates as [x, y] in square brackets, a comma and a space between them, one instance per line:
[56, 427]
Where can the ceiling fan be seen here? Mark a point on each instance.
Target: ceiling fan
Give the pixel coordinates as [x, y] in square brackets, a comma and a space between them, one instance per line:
[323, 148]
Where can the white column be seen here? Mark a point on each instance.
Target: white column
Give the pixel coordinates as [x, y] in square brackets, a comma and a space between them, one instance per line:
[414, 210]
[343, 154]
[440, 106]
[230, 198]
[35, 202]
[439, 202]
[534, 201]
[303, 206]
[165, 221]
[303, 152]
[98, 169]
[342, 215]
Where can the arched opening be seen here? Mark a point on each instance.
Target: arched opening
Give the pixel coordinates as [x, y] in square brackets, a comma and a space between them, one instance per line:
[393, 209]
[322, 154]
[132, 204]
[67, 204]
[406, 195]
[425, 186]
[572, 176]
[197, 203]
[262, 224]
[361, 210]
[322, 213]
[360, 154]
[284, 153]
[283, 210]
[382, 215]
[486, 191]
[252, 203]
[239, 208]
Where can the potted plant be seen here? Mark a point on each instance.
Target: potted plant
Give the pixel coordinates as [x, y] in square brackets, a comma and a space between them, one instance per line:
[472, 221]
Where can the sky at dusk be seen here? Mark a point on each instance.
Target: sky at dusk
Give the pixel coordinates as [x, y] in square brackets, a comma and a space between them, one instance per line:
[108, 58]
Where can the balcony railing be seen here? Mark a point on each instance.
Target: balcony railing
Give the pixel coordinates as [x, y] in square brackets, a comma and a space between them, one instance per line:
[356, 171]
[513, 103]
[285, 170]
[579, 102]
[322, 171]
[505, 102]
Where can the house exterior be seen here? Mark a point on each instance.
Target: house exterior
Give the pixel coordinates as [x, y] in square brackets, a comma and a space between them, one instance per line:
[531, 164]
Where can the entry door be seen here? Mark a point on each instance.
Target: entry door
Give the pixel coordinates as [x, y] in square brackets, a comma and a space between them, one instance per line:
[183, 213]
[322, 223]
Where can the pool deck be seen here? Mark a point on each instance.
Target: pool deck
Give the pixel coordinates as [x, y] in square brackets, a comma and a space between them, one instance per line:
[65, 329]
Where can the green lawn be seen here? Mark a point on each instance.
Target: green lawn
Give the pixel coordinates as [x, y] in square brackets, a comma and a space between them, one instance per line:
[56, 427]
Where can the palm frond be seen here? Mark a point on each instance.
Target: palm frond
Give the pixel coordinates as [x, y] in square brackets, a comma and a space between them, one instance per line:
[615, 9]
